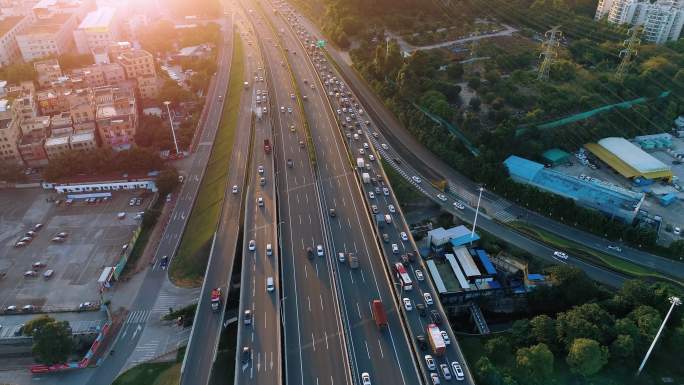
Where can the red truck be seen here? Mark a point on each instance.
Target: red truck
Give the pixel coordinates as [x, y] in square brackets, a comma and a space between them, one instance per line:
[436, 341]
[379, 314]
[215, 299]
[267, 146]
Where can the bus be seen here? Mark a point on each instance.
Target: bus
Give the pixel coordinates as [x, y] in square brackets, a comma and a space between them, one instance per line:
[403, 276]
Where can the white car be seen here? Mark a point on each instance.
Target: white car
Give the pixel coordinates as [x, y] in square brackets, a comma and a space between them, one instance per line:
[362, 151]
[339, 112]
[371, 195]
[616, 248]
[442, 197]
[235, 189]
[371, 157]
[260, 170]
[419, 275]
[365, 145]
[403, 236]
[375, 135]
[677, 231]
[289, 109]
[319, 250]
[428, 298]
[384, 146]
[445, 371]
[560, 255]
[260, 202]
[445, 337]
[459, 205]
[252, 245]
[407, 304]
[365, 379]
[385, 191]
[435, 378]
[458, 371]
[430, 362]
[391, 208]
[416, 179]
[282, 109]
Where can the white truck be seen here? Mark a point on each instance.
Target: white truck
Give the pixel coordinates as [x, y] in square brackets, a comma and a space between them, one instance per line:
[360, 163]
[366, 177]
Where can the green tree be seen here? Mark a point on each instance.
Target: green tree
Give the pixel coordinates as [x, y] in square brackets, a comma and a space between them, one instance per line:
[585, 321]
[535, 364]
[18, 72]
[11, 172]
[622, 347]
[159, 37]
[520, 333]
[33, 325]
[455, 71]
[167, 181]
[475, 103]
[487, 373]
[498, 349]
[586, 357]
[71, 61]
[543, 330]
[174, 93]
[52, 342]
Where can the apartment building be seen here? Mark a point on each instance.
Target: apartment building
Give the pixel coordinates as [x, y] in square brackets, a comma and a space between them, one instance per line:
[57, 145]
[83, 141]
[99, 29]
[81, 106]
[78, 8]
[51, 35]
[48, 72]
[39, 125]
[10, 27]
[139, 65]
[662, 20]
[116, 117]
[53, 100]
[10, 132]
[98, 75]
[32, 150]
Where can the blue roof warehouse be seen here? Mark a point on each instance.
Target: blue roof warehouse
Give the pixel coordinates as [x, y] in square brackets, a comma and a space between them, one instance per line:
[615, 202]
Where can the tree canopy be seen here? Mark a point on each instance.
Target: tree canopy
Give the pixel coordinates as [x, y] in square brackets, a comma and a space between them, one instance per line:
[52, 340]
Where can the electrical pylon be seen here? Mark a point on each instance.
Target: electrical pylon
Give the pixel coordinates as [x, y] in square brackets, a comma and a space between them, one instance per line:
[627, 53]
[549, 52]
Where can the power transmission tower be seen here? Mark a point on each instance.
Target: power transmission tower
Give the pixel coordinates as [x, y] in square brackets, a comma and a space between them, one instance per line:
[628, 52]
[549, 52]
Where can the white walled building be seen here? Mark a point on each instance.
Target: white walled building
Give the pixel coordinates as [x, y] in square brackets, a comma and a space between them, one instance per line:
[10, 27]
[662, 20]
[47, 36]
[99, 29]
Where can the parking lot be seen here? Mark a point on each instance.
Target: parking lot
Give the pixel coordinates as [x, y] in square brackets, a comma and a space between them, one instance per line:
[94, 236]
[672, 215]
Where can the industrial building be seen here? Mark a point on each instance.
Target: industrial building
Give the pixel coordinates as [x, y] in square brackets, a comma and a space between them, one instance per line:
[613, 201]
[456, 236]
[628, 159]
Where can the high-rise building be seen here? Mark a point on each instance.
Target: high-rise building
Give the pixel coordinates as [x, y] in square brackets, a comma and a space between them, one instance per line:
[662, 20]
[139, 65]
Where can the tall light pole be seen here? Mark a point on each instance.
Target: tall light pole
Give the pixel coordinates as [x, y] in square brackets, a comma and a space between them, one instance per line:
[477, 211]
[675, 301]
[173, 132]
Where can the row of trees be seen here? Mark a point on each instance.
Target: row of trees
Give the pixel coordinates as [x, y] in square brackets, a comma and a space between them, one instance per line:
[162, 37]
[599, 332]
[103, 161]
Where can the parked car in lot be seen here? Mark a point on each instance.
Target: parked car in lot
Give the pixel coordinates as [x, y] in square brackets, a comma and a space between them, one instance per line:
[29, 274]
[58, 239]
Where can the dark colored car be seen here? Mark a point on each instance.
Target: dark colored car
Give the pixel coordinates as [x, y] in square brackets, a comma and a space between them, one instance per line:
[421, 309]
[422, 344]
[246, 354]
[164, 263]
[309, 252]
[435, 317]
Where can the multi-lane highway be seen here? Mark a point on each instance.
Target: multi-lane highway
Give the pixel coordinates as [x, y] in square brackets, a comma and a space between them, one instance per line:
[207, 326]
[385, 355]
[380, 200]
[314, 350]
[259, 360]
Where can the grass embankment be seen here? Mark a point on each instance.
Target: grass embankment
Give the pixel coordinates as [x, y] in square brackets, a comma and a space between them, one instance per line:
[150, 219]
[189, 265]
[590, 255]
[157, 373]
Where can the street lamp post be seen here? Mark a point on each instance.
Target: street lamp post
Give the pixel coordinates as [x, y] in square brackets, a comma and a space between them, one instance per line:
[675, 301]
[477, 211]
[173, 132]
